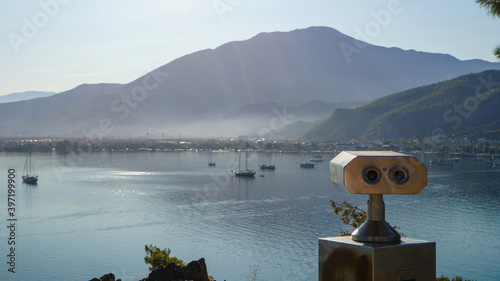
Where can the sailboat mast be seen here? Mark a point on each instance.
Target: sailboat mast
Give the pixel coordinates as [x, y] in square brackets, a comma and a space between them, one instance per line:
[25, 169]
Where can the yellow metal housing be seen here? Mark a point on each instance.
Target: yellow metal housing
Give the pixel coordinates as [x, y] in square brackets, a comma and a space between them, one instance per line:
[378, 172]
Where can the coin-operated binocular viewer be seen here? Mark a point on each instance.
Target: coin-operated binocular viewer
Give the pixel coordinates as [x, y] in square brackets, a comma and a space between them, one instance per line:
[375, 251]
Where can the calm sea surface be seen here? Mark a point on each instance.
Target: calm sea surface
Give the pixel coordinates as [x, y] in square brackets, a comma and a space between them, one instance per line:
[92, 214]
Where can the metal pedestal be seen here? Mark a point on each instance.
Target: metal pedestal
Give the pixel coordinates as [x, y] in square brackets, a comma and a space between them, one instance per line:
[342, 259]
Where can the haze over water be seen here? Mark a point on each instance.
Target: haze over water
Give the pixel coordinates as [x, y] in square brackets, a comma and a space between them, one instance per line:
[92, 214]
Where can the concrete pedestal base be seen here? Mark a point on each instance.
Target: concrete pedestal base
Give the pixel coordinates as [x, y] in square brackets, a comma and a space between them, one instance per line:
[342, 259]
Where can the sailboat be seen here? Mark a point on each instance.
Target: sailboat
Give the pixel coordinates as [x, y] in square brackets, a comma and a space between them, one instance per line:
[28, 172]
[246, 172]
[267, 166]
[317, 159]
[307, 165]
[210, 162]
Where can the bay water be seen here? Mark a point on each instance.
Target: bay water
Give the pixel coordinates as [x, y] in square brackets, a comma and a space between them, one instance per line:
[93, 213]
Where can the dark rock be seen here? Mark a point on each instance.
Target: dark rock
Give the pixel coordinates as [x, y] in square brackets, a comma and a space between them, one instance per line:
[106, 277]
[170, 272]
[196, 271]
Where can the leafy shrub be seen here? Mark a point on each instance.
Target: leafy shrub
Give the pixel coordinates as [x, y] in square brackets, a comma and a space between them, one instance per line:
[156, 257]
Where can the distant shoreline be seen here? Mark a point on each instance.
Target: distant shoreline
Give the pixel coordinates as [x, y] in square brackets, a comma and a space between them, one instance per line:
[61, 146]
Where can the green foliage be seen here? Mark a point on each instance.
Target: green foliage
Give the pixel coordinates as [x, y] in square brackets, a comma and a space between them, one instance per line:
[352, 215]
[64, 147]
[25, 147]
[454, 106]
[493, 7]
[355, 217]
[156, 257]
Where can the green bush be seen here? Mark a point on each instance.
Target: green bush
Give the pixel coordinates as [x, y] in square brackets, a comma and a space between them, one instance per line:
[355, 217]
[156, 257]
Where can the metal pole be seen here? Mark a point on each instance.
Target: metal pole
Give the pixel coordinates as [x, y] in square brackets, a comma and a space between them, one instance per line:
[376, 208]
[375, 229]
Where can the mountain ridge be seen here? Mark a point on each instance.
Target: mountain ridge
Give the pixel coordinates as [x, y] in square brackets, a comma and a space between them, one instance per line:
[28, 95]
[465, 106]
[210, 85]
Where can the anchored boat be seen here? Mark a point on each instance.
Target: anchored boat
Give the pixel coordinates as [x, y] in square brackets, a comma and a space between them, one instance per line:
[246, 172]
[210, 162]
[28, 172]
[307, 165]
[267, 166]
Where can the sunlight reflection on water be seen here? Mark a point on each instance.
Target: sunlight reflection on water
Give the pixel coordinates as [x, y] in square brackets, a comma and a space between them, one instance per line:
[96, 217]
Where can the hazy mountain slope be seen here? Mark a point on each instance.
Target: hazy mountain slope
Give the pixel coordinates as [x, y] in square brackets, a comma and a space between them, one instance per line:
[467, 105]
[24, 96]
[53, 115]
[300, 65]
[198, 90]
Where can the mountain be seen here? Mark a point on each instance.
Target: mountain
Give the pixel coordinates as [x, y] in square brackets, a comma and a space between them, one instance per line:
[24, 96]
[276, 120]
[201, 94]
[55, 115]
[467, 106]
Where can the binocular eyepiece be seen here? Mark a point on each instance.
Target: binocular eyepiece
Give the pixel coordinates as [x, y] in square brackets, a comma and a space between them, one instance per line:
[397, 174]
[378, 172]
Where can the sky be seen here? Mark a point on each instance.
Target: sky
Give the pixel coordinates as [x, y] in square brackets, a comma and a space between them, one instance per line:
[56, 45]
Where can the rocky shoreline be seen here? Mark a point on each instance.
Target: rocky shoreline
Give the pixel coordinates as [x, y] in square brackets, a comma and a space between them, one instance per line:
[194, 271]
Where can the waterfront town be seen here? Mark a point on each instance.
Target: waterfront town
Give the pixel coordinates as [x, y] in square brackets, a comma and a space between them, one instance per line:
[448, 146]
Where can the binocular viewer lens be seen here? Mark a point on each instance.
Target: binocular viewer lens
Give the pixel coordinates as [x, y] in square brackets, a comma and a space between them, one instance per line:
[371, 175]
[397, 174]
[378, 172]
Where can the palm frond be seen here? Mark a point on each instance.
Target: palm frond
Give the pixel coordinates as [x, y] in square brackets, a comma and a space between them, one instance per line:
[496, 52]
[492, 5]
